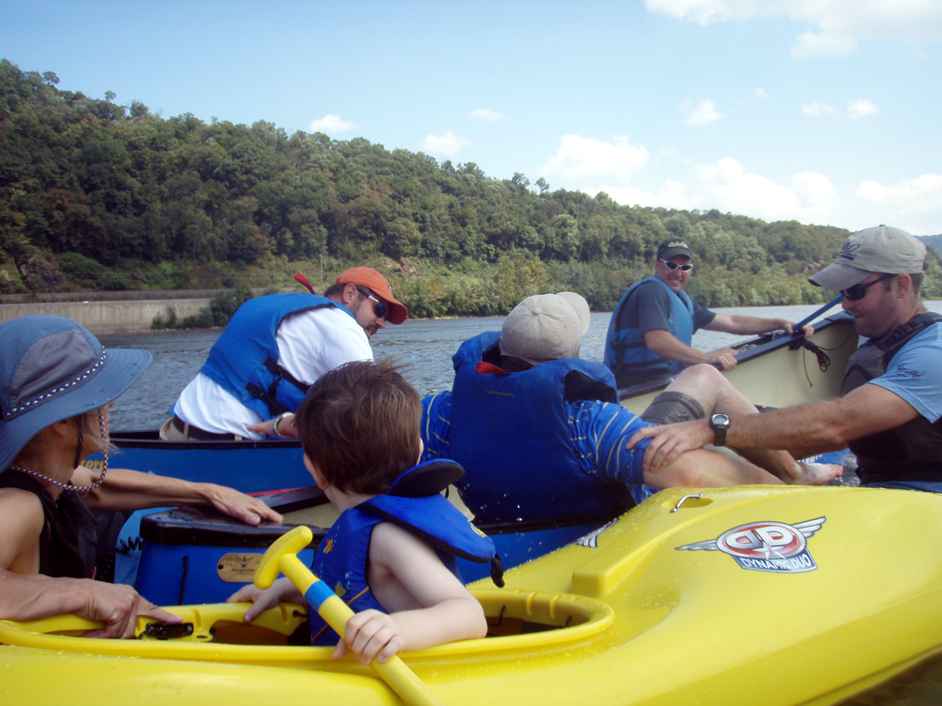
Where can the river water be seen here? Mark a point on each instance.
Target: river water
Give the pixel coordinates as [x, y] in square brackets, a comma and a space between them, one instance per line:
[424, 347]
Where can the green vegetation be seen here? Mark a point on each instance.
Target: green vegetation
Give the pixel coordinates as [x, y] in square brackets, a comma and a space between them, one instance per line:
[96, 195]
[220, 310]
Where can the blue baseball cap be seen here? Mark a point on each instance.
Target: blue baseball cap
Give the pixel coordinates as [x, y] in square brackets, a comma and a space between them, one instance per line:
[53, 368]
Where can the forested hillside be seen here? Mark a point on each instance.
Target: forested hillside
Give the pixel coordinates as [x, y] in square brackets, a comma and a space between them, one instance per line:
[934, 242]
[97, 195]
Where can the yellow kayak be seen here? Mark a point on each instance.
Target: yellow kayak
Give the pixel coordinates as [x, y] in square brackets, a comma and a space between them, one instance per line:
[749, 595]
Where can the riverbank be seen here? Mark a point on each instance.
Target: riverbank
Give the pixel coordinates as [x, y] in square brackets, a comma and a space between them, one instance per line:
[104, 316]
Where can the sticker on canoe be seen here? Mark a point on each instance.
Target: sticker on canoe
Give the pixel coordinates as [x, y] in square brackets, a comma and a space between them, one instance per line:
[591, 540]
[775, 547]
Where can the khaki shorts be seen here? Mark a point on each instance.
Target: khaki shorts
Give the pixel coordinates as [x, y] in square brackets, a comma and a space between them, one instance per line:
[669, 407]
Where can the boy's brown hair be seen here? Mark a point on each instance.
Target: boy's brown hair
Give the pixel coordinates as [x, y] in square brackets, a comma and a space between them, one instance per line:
[359, 424]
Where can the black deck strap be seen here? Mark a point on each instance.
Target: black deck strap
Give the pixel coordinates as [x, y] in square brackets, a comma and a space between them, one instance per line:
[824, 360]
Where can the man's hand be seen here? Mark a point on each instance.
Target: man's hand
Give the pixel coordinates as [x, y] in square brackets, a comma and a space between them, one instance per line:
[669, 441]
[287, 426]
[244, 508]
[722, 358]
[789, 327]
[118, 607]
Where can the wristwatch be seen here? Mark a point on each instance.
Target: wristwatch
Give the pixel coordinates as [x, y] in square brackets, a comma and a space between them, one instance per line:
[719, 423]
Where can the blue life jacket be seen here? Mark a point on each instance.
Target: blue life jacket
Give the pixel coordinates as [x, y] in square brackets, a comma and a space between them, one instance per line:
[413, 502]
[625, 352]
[511, 432]
[244, 359]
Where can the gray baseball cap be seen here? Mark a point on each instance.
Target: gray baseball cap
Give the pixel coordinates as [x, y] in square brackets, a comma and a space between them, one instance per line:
[52, 368]
[878, 249]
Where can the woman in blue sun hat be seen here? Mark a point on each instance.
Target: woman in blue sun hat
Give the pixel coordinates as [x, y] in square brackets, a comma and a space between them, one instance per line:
[56, 386]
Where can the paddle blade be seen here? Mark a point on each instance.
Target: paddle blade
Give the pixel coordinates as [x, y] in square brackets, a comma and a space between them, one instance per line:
[304, 282]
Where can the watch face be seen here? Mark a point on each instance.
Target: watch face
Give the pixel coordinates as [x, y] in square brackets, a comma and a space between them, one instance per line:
[719, 420]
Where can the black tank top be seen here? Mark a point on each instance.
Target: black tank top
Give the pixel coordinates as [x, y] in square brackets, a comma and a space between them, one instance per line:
[68, 540]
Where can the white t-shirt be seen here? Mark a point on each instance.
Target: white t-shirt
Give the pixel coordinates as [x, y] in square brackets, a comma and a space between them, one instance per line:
[309, 344]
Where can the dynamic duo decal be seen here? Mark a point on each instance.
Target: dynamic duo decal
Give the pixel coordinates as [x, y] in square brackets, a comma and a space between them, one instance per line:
[775, 547]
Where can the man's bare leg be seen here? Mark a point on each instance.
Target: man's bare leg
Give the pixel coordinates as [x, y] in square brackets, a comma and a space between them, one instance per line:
[715, 392]
[704, 468]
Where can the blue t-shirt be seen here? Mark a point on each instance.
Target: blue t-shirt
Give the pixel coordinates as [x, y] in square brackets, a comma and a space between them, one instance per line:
[599, 432]
[915, 373]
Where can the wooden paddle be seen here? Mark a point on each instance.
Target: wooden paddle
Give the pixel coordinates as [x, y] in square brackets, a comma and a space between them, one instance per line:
[282, 557]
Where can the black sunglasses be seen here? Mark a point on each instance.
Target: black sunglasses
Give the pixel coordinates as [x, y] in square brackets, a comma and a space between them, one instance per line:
[686, 267]
[859, 291]
[379, 306]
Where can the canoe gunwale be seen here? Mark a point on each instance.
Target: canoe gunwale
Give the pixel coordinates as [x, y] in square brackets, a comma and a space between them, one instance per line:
[746, 350]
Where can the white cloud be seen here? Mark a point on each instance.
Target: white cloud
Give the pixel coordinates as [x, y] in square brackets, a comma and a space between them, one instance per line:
[487, 115]
[836, 25]
[446, 144]
[586, 158]
[761, 93]
[861, 108]
[812, 44]
[728, 186]
[621, 170]
[921, 194]
[616, 167]
[817, 110]
[703, 112]
[331, 124]
[704, 12]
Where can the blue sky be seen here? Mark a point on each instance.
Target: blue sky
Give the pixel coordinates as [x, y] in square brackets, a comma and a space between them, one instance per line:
[824, 111]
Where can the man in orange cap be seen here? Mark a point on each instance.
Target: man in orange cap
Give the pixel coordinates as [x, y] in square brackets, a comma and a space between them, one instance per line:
[276, 346]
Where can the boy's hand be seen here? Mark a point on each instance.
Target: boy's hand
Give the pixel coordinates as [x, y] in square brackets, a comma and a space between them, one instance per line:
[280, 591]
[370, 634]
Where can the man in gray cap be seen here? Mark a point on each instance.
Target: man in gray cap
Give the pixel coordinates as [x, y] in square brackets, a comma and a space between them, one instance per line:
[650, 333]
[541, 435]
[892, 390]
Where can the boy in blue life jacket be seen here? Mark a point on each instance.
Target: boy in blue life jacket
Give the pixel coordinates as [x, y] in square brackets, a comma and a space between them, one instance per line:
[391, 553]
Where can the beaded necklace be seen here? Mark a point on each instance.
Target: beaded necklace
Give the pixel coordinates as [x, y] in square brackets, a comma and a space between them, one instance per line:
[68, 485]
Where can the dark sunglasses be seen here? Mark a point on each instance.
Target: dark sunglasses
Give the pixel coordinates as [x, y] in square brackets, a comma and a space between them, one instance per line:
[686, 267]
[859, 291]
[379, 306]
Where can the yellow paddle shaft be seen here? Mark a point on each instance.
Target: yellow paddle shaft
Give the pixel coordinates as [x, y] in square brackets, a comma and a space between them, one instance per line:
[336, 613]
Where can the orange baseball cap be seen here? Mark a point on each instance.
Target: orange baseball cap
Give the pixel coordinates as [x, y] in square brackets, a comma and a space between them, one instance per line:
[374, 281]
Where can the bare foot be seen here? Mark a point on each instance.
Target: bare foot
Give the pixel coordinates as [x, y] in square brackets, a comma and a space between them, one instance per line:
[818, 473]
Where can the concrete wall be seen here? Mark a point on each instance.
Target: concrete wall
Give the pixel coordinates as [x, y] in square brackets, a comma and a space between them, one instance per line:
[104, 317]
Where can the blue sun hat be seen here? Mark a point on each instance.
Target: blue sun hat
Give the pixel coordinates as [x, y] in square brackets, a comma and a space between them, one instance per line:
[52, 368]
